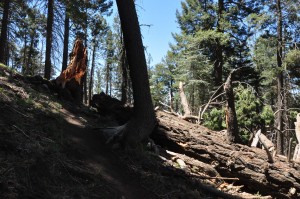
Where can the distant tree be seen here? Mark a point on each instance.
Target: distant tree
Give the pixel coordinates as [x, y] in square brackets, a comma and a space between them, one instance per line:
[109, 51]
[280, 86]
[99, 30]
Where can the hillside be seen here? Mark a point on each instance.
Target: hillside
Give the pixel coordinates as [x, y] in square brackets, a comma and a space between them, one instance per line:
[51, 148]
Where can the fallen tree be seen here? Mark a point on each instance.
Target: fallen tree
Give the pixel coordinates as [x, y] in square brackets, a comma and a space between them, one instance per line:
[250, 165]
[205, 154]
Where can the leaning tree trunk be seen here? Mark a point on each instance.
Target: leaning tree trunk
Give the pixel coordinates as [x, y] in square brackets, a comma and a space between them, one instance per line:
[3, 36]
[143, 120]
[231, 119]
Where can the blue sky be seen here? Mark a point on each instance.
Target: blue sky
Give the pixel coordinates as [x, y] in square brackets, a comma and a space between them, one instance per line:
[160, 14]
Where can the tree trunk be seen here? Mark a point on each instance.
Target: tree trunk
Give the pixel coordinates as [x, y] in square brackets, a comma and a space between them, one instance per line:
[66, 40]
[231, 119]
[143, 120]
[184, 100]
[107, 78]
[92, 74]
[29, 55]
[50, 17]
[124, 67]
[24, 69]
[279, 119]
[3, 36]
[218, 64]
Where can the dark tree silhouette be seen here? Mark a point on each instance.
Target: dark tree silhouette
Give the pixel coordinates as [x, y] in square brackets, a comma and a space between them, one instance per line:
[50, 18]
[143, 121]
[3, 36]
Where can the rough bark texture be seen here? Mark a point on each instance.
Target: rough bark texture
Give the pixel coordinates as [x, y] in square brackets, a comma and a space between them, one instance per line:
[3, 36]
[50, 17]
[143, 121]
[249, 165]
[231, 118]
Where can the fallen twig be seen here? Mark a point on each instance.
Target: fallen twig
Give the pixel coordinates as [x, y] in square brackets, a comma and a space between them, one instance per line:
[21, 131]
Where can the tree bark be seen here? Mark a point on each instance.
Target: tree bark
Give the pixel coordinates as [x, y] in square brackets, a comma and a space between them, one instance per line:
[3, 36]
[124, 67]
[50, 18]
[279, 119]
[143, 121]
[92, 74]
[249, 165]
[231, 119]
[184, 100]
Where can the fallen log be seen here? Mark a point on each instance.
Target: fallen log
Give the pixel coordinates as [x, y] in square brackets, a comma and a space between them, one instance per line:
[249, 165]
[108, 106]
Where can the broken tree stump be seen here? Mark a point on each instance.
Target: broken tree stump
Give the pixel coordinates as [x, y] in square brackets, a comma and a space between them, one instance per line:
[70, 78]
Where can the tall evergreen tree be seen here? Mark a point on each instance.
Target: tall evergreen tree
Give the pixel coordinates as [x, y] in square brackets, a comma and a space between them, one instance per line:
[50, 18]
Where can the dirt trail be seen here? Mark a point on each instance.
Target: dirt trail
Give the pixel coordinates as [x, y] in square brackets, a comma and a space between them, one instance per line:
[95, 153]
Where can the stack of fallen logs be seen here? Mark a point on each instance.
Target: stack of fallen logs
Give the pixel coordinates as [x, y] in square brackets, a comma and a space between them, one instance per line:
[249, 166]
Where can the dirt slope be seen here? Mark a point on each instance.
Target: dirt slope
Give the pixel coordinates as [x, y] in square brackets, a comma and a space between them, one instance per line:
[50, 148]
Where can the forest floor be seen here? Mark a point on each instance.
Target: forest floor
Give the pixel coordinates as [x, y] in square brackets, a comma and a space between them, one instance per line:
[50, 148]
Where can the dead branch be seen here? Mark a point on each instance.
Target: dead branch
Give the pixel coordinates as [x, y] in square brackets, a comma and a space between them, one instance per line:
[20, 130]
